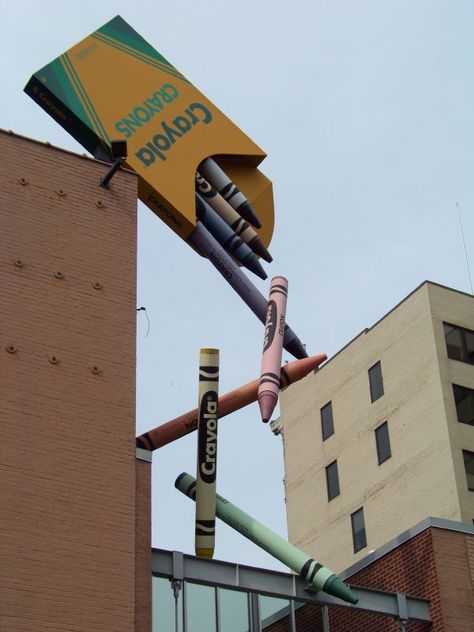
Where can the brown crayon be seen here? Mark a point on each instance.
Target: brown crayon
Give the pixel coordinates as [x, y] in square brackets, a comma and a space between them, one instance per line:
[228, 403]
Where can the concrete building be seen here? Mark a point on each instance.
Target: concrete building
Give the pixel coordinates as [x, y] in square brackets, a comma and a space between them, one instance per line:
[382, 436]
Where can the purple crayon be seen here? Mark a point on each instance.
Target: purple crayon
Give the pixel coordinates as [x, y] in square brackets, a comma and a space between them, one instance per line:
[205, 243]
[269, 385]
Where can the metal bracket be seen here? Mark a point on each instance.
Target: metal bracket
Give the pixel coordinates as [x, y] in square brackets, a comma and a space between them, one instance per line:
[402, 618]
[104, 182]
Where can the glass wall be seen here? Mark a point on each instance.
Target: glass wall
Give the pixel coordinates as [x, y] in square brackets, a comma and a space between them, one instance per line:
[199, 608]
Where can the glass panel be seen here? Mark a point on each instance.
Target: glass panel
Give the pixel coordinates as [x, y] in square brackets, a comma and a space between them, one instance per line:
[234, 614]
[383, 443]
[272, 610]
[469, 335]
[327, 425]
[459, 343]
[453, 342]
[200, 608]
[332, 480]
[376, 382]
[163, 606]
[358, 530]
[464, 398]
[469, 467]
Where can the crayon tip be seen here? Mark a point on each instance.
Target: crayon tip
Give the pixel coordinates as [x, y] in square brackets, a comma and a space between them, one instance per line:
[254, 265]
[267, 402]
[296, 348]
[336, 587]
[259, 249]
[246, 211]
[208, 553]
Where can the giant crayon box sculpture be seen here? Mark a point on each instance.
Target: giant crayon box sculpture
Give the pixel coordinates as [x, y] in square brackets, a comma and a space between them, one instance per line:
[113, 85]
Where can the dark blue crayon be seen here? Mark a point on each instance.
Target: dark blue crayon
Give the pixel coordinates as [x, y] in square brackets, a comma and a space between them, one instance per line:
[224, 234]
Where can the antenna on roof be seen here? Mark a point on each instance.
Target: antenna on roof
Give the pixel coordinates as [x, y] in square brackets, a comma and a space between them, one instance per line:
[464, 247]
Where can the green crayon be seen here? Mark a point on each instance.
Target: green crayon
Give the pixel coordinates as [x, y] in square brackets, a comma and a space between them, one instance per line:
[320, 576]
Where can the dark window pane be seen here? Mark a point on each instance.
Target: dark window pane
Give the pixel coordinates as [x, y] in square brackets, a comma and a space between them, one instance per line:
[376, 381]
[464, 398]
[332, 480]
[469, 467]
[358, 530]
[469, 335]
[459, 343]
[382, 440]
[327, 424]
[453, 342]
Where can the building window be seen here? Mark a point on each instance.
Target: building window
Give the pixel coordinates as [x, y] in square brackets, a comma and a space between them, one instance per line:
[382, 439]
[358, 530]
[469, 467]
[464, 398]
[459, 343]
[376, 381]
[327, 424]
[332, 480]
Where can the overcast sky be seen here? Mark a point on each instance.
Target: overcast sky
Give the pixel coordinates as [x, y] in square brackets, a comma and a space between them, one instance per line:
[365, 109]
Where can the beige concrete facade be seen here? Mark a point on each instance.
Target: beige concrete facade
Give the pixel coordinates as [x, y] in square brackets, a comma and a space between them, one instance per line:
[425, 475]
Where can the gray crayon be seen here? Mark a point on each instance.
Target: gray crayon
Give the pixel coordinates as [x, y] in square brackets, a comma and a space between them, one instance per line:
[210, 248]
[224, 185]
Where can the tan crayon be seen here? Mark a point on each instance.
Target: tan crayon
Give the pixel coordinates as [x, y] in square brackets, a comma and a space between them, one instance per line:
[228, 403]
[224, 185]
[206, 467]
[232, 218]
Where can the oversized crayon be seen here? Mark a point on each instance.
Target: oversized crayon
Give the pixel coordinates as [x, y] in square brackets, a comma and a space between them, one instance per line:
[228, 403]
[299, 562]
[232, 218]
[224, 234]
[209, 247]
[207, 452]
[269, 385]
[224, 185]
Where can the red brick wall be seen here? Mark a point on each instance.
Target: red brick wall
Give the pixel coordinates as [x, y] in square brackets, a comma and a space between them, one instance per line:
[307, 619]
[143, 547]
[67, 392]
[409, 569]
[437, 564]
[455, 568]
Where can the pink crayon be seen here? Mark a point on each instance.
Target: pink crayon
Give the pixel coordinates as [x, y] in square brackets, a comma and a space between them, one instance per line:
[269, 385]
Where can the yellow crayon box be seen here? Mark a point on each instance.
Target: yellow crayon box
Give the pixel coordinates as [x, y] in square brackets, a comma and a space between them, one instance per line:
[113, 85]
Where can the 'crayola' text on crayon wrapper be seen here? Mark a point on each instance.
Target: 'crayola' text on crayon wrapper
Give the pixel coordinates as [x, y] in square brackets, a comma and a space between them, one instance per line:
[208, 439]
[115, 85]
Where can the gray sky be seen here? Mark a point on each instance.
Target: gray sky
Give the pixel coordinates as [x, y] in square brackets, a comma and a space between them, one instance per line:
[366, 112]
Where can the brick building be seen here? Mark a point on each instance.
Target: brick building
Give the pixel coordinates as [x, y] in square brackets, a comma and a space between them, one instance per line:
[73, 544]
